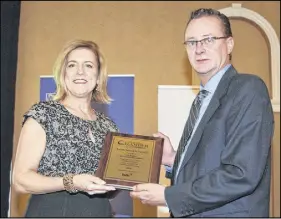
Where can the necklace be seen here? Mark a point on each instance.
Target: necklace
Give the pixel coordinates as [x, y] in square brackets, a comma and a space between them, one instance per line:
[92, 116]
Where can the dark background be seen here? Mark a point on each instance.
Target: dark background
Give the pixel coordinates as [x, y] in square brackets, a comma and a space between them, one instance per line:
[10, 15]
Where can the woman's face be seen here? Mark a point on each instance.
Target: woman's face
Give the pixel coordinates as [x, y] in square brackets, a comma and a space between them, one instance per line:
[81, 73]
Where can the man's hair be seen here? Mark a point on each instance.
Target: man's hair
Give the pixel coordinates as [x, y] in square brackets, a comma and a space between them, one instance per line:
[204, 12]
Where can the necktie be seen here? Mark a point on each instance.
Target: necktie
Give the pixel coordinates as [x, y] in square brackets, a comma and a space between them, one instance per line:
[189, 125]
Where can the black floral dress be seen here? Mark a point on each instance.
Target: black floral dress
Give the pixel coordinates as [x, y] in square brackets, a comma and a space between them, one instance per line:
[73, 145]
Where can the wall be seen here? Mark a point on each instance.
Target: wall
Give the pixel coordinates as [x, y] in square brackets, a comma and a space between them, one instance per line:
[140, 38]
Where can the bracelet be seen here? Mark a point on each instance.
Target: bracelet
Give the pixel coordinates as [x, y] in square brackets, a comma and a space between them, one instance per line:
[68, 183]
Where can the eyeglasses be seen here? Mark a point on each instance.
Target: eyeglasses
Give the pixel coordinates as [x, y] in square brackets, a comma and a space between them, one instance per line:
[207, 42]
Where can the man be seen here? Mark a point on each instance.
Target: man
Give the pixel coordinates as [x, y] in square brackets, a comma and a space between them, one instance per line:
[222, 165]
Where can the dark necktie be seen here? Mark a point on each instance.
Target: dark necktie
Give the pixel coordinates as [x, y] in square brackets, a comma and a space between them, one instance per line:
[189, 125]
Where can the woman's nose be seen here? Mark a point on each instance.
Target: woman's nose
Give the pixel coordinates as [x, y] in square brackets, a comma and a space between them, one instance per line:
[80, 70]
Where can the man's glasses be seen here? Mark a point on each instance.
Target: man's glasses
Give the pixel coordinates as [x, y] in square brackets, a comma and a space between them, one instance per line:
[206, 42]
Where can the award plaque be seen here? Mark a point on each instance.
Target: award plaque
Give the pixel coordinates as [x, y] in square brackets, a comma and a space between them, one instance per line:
[127, 160]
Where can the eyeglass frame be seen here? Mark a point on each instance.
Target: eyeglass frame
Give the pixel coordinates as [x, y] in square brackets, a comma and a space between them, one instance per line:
[202, 41]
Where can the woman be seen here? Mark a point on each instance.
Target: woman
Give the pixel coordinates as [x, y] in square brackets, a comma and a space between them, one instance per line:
[61, 140]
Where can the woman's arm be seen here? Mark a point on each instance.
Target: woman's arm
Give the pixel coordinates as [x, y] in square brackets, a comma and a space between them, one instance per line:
[31, 146]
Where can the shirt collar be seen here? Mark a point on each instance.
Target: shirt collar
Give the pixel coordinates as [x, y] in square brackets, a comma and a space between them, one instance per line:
[212, 84]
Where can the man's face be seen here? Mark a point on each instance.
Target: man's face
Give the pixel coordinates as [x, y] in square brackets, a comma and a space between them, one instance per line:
[209, 55]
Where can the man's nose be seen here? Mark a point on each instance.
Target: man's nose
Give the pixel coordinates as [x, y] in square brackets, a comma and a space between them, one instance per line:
[199, 49]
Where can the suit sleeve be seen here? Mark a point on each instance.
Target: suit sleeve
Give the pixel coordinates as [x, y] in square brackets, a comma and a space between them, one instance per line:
[243, 160]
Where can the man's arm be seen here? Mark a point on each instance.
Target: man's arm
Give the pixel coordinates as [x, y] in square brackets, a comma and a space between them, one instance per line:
[243, 161]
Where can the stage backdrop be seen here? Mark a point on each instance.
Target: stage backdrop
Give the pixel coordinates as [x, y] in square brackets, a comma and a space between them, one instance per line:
[121, 111]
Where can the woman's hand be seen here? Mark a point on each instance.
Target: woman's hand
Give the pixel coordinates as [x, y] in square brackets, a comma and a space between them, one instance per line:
[91, 184]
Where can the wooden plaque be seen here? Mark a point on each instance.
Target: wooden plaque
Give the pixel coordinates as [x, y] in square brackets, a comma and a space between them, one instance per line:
[127, 160]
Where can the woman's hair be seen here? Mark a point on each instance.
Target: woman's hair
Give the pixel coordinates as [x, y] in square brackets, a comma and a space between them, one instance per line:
[100, 92]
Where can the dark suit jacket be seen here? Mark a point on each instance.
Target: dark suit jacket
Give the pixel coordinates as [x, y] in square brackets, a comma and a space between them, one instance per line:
[226, 170]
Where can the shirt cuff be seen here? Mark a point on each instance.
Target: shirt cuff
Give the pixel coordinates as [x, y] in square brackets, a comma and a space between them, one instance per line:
[168, 171]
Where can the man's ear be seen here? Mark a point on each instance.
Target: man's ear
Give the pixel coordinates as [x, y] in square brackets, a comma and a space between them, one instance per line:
[230, 45]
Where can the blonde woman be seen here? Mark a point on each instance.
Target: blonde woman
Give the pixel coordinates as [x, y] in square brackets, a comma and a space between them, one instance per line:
[61, 140]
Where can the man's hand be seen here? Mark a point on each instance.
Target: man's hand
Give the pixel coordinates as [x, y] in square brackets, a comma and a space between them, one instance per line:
[169, 153]
[149, 193]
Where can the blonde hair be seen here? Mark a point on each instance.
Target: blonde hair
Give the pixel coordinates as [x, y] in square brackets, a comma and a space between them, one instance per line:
[99, 93]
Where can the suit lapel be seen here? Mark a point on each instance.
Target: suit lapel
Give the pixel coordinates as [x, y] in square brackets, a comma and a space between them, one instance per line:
[211, 109]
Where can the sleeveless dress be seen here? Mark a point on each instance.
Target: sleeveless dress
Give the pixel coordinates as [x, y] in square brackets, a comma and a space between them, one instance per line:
[70, 148]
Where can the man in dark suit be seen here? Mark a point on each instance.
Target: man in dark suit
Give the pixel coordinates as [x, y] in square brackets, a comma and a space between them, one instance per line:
[222, 165]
